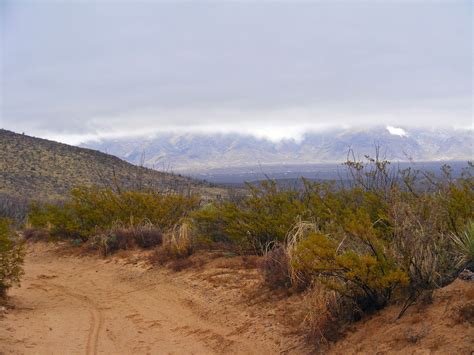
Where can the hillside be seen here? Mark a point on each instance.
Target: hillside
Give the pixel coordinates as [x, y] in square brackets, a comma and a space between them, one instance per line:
[42, 169]
[198, 152]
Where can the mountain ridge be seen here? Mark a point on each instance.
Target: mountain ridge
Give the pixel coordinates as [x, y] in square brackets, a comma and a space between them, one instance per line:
[198, 151]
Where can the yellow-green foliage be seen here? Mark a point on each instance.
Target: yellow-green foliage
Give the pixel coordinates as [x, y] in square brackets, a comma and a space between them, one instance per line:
[11, 257]
[367, 273]
[90, 210]
[251, 224]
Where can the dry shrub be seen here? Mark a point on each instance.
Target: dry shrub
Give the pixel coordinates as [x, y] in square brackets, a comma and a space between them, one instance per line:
[35, 234]
[423, 246]
[147, 236]
[326, 314]
[120, 237]
[275, 267]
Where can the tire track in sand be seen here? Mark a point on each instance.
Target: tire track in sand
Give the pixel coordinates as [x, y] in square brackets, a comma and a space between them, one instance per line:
[96, 316]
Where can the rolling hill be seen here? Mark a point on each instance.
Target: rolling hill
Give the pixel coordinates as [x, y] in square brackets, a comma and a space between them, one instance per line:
[41, 169]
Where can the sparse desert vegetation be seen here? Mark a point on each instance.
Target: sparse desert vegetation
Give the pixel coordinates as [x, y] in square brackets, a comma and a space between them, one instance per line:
[388, 238]
[41, 169]
[236, 177]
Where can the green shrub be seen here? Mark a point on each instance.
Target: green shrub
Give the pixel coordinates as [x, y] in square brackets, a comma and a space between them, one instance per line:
[365, 274]
[92, 211]
[255, 222]
[11, 257]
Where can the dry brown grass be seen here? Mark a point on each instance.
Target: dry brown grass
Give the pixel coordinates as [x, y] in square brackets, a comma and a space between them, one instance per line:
[326, 315]
[122, 237]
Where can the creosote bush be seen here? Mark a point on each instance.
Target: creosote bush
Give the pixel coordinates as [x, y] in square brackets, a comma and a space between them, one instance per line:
[11, 257]
[366, 275]
[93, 211]
[251, 224]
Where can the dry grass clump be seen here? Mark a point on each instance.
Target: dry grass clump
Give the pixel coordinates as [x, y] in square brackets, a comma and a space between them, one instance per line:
[326, 314]
[177, 244]
[277, 264]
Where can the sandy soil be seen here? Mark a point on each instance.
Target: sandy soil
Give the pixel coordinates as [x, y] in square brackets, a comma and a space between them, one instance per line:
[71, 304]
[77, 305]
[443, 326]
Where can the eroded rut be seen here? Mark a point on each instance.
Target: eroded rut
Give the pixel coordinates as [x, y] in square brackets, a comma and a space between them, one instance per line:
[90, 306]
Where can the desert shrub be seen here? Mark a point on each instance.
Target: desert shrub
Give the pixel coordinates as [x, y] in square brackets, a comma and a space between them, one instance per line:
[385, 233]
[367, 275]
[58, 219]
[91, 211]
[210, 221]
[122, 237]
[11, 257]
[147, 236]
[253, 223]
[422, 244]
[275, 267]
[35, 234]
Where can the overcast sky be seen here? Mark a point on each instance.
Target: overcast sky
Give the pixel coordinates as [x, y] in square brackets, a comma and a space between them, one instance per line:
[72, 70]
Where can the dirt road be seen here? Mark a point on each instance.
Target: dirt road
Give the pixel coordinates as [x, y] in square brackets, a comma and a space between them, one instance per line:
[72, 305]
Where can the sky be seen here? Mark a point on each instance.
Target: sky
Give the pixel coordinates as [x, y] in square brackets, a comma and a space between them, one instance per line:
[78, 70]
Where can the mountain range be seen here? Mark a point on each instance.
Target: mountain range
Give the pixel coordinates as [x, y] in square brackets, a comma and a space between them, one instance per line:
[194, 152]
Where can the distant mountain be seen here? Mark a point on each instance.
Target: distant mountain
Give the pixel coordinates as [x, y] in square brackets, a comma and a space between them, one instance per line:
[41, 169]
[198, 152]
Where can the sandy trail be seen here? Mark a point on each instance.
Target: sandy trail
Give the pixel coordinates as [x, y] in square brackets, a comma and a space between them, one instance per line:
[71, 305]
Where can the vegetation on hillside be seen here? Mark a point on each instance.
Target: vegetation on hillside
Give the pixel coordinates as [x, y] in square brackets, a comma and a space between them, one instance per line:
[46, 170]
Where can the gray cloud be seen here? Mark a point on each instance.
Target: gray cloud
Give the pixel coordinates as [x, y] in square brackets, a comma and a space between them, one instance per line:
[85, 68]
